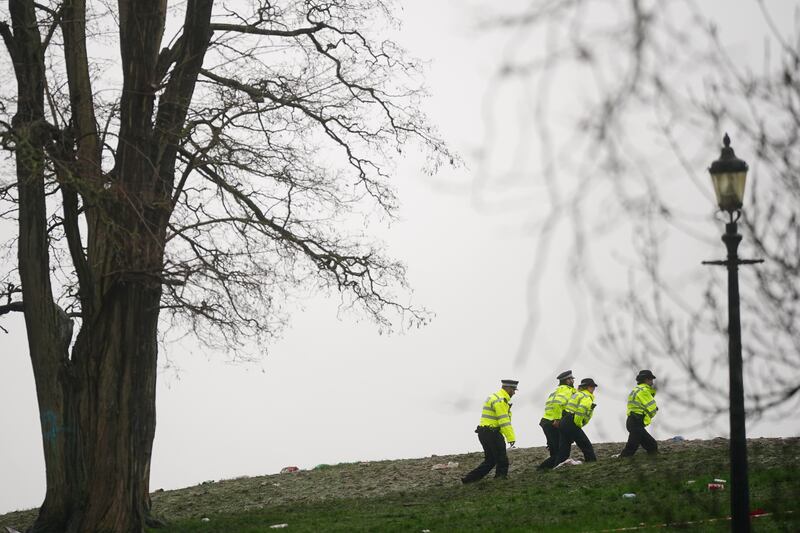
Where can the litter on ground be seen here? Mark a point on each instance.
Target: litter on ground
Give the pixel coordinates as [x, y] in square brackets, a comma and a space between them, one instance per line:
[569, 462]
[442, 466]
[289, 469]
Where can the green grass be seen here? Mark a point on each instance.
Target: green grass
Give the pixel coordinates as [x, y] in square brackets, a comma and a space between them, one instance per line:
[570, 501]
[582, 498]
[407, 495]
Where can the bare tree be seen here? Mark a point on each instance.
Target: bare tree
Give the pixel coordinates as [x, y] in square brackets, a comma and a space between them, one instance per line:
[186, 167]
[627, 105]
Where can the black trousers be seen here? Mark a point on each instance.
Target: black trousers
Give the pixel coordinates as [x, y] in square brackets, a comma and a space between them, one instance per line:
[494, 455]
[552, 435]
[637, 434]
[568, 433]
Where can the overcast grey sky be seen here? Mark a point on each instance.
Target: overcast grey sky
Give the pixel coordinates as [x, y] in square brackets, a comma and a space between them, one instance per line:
[334, 390]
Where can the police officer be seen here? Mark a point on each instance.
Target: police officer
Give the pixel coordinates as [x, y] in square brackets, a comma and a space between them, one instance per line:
[493, 430]
[641, 410]
[577, 413]
[551, 419]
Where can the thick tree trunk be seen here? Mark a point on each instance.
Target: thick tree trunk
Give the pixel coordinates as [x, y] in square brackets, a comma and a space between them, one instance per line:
[98, 438]
[116, 368]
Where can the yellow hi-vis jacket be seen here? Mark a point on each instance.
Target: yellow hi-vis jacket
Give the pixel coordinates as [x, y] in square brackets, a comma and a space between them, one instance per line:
[497, 414]
[581, 404]
[556, 401]
[642, 400]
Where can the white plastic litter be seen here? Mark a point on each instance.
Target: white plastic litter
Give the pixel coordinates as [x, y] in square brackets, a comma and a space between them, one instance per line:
[629, 495]
[691, 481]
[569, 462]
[717, 480]
[279, 526]
[615, 456]
[442, 466]
[204, 519]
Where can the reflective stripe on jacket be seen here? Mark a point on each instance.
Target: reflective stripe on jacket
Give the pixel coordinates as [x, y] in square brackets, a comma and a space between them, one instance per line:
[642, 401]
[496, 413]
[581, 404]
[556, 401]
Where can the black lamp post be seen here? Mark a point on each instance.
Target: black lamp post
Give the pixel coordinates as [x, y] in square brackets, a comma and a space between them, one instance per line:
[728, 173]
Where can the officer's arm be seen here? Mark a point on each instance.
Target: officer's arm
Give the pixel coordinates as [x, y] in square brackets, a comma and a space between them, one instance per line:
[649, 403]
[503, 414]
[587, 403]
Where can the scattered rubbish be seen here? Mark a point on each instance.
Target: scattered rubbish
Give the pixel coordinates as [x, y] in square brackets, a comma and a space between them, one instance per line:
[279, 526]
[442, 466]
[677, 438]
[426, 531]
[569, 462]
[717, 480]
[691, 481]
[615, 456]
[629, 495]
[758, 511]
[289, 469]
[205, 519]
[713, 487]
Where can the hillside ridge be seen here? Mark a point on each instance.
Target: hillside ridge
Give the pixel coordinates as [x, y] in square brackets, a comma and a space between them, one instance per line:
[376, 479]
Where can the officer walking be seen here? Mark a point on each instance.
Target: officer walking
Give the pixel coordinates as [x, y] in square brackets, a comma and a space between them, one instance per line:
[641, 410]
[551, 419]
[493, 431]
[576, 415]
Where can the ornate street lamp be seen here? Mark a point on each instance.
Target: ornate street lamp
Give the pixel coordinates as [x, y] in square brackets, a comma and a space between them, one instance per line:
[728, 173]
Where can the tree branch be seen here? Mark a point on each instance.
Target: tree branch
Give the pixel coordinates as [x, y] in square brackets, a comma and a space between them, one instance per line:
[255, 30]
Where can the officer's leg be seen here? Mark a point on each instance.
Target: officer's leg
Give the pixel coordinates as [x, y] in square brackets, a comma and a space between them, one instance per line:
[649, 443]
[501, 456]
[585, 445]
[635, 426]
[489, 459]
[552, 435]
[565, 440]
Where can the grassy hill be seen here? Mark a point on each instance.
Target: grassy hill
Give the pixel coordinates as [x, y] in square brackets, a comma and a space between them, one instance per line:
[409, 495]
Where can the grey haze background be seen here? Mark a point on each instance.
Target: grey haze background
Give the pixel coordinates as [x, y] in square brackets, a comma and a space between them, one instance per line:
[334, 390]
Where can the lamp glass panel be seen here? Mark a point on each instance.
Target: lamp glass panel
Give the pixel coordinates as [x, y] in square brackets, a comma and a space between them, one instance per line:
[729, 189]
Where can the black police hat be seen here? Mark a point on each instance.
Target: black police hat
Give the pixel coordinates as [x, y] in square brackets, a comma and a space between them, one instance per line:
[644, 374]
[510, 383]
[564, 375]
[587, 382]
